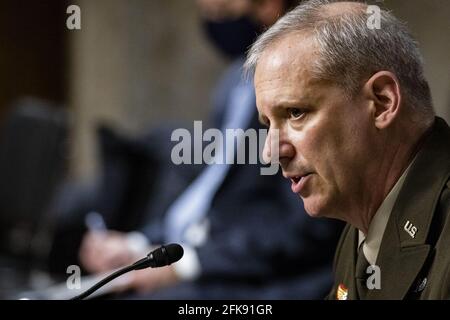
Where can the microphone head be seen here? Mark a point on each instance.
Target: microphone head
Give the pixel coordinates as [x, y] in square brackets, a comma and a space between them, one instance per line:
[167, 255]
[174, 252]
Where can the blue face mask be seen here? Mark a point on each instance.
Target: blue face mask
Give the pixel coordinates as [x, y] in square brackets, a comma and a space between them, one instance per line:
[232, 37]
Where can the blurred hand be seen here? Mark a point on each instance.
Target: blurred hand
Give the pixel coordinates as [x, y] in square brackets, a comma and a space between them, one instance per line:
[104, 251]
[148, 280]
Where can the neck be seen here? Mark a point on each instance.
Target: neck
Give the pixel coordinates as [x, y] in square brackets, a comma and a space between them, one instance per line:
[395, 157]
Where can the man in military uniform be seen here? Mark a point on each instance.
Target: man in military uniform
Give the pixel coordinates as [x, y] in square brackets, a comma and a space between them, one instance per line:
[359, 139]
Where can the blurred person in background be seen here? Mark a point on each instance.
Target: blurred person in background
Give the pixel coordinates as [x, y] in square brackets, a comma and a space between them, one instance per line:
[244, 234]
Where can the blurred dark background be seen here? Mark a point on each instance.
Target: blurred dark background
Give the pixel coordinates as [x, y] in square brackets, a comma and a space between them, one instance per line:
[33, 58]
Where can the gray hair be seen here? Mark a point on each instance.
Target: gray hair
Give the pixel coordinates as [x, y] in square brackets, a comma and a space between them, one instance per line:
[350, 52]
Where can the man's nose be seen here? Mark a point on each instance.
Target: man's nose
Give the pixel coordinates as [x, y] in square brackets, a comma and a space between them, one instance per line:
[277, 149]
[267, 149]
[287, 153]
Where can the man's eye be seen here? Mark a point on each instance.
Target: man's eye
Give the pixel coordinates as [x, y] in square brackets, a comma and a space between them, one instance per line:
[295, 113]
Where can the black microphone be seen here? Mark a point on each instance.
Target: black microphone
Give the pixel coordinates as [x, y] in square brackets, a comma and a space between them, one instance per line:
[163, 256]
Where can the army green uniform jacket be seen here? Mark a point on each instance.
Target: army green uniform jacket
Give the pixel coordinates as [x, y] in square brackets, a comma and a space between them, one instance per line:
[414, 256]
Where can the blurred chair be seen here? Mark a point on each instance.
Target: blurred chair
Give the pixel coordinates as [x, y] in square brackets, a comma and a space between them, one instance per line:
[33, 152]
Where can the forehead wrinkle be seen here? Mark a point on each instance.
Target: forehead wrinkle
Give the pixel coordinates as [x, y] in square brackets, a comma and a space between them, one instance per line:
[284, 72]
[286, 88]
[290, 58]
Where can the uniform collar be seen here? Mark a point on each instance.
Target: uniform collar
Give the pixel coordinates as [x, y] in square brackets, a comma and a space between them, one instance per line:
[379, 221]
[403, 249]
[401, 256]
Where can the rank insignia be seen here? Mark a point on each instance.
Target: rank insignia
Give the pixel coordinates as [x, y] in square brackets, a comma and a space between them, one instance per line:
[342, 292]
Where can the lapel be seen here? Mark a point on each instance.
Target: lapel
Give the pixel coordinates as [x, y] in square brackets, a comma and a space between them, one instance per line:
[345, 269]
[403, 250]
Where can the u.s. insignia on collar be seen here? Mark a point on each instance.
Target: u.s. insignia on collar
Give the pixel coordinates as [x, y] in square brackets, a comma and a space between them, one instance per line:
[410, 229]
[342, 292]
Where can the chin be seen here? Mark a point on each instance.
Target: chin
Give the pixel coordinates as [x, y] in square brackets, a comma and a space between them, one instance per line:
[314, 208]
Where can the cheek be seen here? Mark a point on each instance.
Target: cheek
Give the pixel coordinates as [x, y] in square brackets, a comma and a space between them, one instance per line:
[326, 149]
[306, 137]
[319, 146]
[347, 151]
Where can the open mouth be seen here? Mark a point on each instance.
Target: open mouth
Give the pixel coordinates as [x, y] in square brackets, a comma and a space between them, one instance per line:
[298, 182]
[296, 179]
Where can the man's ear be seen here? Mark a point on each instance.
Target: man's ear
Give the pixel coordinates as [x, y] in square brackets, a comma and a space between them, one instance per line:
[383, 89]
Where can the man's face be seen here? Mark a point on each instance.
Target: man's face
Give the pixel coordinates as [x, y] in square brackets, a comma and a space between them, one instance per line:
[325, 140]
